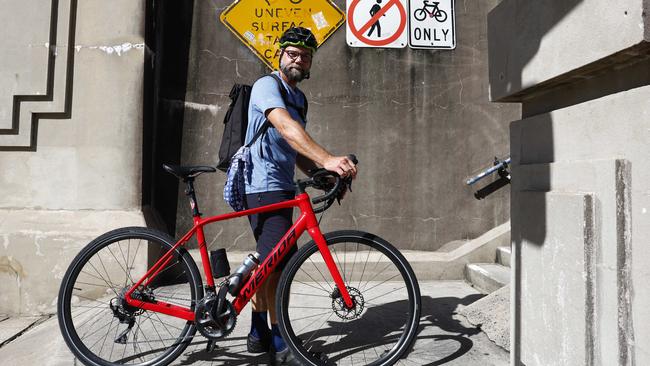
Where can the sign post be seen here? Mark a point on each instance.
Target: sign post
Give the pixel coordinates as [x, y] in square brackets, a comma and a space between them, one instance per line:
[260, 23]
[432, 24]
[377, 23]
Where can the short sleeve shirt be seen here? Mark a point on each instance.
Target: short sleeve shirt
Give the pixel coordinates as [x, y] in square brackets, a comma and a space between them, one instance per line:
[273, 159]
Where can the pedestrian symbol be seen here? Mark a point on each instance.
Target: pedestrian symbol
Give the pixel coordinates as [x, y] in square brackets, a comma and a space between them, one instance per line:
[377, 23]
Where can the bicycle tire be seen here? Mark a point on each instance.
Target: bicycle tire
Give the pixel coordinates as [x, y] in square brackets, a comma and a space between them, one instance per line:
[336, 337]
[441, 16]
[420, 14]
[97, 277]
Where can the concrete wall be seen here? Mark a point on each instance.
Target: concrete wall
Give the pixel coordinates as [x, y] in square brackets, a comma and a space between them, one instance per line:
[580, 192]
[418, 120]
[70, 137]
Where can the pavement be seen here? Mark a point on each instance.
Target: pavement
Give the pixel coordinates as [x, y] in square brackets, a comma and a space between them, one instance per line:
[444, 337]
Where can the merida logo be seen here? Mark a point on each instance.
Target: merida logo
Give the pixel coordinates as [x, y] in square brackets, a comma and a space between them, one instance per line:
[268, 265]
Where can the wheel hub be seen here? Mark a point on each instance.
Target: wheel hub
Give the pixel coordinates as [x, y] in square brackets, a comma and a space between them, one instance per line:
[341, 310]
[124, 312]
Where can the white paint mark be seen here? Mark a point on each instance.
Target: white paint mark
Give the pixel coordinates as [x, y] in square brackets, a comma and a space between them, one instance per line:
[215, 238]
[250, 36]
[117, 49]
[644, 210]
[234, 243]
[319, 20]
[38, 247]
[212, 108]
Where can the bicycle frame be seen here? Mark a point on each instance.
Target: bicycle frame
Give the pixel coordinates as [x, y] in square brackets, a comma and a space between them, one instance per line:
[306, 222]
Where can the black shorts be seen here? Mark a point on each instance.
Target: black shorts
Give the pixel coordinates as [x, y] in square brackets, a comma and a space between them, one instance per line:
[270, 227]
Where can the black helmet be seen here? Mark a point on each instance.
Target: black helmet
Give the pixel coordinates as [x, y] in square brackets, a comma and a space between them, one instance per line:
[300, 37]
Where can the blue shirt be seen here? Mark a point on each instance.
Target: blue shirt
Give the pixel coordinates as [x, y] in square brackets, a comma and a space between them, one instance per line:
[273, 159]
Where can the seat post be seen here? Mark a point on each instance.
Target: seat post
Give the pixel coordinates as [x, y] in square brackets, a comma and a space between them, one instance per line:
[189, 191]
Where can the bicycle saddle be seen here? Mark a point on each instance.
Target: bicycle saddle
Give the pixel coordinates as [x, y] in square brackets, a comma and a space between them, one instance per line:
[188, 172]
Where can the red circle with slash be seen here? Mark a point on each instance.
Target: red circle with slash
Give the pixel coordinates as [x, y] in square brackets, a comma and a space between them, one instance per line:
[359, 32]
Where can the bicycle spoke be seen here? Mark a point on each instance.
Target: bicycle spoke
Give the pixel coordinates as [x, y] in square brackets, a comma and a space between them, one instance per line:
[392, 291]
[364, 269]
[354, 262]
[381, 283]
[301, 294]
[110, 285]
[320, 288]
[321, 274]
[108, 276]
[345, 252]
[336, 255]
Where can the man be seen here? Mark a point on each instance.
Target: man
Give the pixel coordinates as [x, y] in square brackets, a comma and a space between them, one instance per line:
[274, 157]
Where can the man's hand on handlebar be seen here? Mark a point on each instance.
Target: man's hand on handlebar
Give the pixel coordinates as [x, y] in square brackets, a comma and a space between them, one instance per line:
[342, 165]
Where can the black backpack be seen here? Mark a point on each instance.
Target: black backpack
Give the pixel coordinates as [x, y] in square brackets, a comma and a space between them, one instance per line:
[236, 121]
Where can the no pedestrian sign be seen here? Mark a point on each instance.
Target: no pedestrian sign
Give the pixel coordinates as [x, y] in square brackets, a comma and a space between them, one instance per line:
[260, 23]
[395, 23]
[377, 23]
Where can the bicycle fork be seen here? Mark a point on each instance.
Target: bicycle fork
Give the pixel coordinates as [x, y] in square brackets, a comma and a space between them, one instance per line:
[318, 237]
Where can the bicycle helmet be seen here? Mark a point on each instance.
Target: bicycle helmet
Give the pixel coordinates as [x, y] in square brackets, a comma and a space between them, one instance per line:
[299, 37]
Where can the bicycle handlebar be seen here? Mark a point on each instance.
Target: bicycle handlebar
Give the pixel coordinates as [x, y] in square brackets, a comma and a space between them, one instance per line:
[497, 165]
[320, 179]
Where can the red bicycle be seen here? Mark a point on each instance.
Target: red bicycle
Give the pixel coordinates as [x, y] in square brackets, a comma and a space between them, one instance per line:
[346, 297]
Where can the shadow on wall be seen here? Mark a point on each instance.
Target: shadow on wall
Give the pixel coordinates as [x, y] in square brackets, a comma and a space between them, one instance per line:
[531, 141]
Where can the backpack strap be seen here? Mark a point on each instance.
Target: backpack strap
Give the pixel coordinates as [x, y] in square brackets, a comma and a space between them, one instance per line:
[283, 93]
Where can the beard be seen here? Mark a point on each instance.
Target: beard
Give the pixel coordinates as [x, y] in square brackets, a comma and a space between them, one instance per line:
[294, 73]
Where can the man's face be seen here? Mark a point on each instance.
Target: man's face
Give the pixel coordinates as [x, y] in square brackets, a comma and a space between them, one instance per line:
[295, 63]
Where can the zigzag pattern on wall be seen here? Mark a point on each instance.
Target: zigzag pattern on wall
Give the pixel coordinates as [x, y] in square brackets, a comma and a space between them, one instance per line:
[23, 134]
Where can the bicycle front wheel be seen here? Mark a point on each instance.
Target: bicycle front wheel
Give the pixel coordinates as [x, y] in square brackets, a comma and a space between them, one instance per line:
[314, 320]
[99, 327]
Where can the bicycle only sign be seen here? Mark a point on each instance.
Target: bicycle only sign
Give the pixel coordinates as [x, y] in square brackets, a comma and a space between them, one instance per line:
[432, 24]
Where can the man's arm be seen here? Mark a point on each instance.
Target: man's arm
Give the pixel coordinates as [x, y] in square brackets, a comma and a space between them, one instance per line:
[305, 145]
[305, 164]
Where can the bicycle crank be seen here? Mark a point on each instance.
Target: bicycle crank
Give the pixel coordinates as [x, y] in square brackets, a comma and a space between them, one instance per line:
[215, 316]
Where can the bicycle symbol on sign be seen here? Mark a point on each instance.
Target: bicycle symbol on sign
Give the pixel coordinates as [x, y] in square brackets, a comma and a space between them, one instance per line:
[432, 10]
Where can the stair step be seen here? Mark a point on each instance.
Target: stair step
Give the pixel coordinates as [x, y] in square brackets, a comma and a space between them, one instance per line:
[503, 256]
[487, 277]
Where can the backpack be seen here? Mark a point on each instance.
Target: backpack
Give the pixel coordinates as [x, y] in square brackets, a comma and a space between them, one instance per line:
[237, 164]
[236, 121]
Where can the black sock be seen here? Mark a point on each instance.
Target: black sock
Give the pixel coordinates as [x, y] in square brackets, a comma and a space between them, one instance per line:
[259, 324]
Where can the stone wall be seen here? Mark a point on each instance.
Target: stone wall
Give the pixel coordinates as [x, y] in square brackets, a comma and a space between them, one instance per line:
[70, 137]
[580, 192]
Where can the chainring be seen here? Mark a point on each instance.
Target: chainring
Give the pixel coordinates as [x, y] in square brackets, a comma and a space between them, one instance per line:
[212, 325]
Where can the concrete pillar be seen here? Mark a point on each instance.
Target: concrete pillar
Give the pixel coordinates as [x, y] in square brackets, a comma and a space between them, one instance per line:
[70, 137]
[581, 191]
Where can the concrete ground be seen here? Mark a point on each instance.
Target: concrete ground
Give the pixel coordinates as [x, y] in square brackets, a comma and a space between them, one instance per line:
[444, 337]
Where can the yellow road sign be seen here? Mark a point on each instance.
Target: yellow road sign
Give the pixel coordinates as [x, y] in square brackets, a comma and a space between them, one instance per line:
[260, 23]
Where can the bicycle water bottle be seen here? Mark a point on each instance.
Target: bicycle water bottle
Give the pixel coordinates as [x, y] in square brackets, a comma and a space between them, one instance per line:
[237, 279]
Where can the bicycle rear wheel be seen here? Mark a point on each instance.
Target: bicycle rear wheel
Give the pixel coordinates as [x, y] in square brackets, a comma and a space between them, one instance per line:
[314, 320]
[97, 324]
